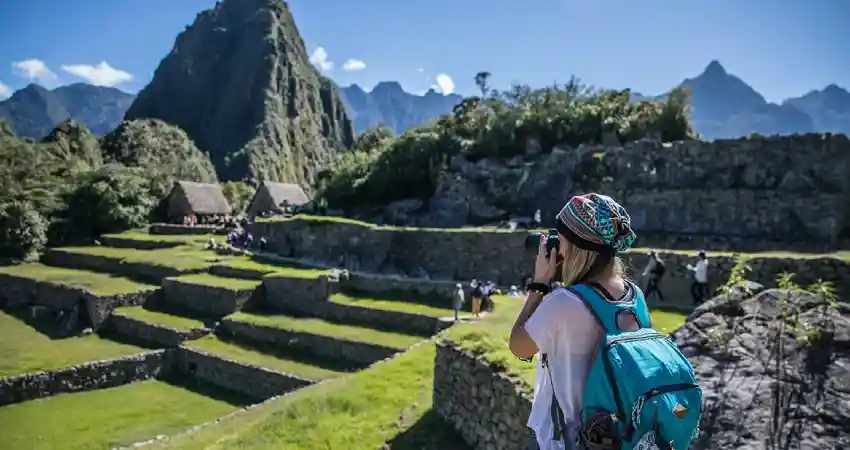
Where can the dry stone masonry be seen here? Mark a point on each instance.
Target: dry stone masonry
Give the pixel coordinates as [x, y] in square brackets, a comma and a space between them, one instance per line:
[487, 407]
[84, 377]
[145, 333]
[435, 256]
[216, 301]
[98, 263]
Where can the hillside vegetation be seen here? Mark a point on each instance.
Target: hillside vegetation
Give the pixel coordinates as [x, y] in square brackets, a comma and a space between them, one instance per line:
[72, 186]
[382, 168]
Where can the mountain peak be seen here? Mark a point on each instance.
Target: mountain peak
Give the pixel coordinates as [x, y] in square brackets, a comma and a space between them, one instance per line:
[714, 68]
[388, 86]
[274, 117]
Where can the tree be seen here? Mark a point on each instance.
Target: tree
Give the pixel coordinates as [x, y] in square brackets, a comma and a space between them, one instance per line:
[238, 194]
[111, 199]
[373, 137]
[482, 80]
[23, 231]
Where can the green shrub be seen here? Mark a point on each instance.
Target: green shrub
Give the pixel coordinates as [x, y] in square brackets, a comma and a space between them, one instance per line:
[23, 230]
[381, 169]
[238, 194]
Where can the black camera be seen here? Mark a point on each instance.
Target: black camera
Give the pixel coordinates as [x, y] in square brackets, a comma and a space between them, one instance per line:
[532, 241]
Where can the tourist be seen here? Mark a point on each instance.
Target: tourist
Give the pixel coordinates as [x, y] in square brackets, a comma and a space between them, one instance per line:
[487, 294]
[457, 301]
[211, 244]
[568, 328]
[655, 270]
[699, 286]
[536, 219]
[263, 243]
[477, 295]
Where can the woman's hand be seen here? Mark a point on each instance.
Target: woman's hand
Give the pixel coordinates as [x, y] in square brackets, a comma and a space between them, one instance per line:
[544, 268]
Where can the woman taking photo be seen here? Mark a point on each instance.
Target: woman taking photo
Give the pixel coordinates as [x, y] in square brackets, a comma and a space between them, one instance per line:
[581, 401]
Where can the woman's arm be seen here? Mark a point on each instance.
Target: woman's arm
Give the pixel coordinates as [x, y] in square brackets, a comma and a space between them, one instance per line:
[521, 344]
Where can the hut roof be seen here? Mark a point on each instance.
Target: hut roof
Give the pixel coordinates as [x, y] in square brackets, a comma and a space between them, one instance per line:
[205, 198]
[285, 191]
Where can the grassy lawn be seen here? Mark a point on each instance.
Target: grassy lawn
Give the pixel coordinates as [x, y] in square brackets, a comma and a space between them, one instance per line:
[105, 418]
[277, 361]
[97, 283]
[490, 336]
[345, 220]
[144, 236]
[323, 328]
[243, 262]
[180, 258]
[207, 279]
[389, 402]
[392, 305]
[23, 349]
[160, 318]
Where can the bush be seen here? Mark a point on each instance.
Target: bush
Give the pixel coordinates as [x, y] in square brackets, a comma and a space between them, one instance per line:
[381, 169]
[111, 199]
[23, 230]
[238, 194]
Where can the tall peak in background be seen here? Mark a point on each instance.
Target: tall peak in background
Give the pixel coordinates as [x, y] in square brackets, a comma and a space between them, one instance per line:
[240, 83]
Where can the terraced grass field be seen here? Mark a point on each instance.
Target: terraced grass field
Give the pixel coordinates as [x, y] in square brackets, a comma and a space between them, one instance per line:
[105, 418]
[329, 329]
[274, 359]
[206, 279]
[392, 305]
[95, 282]
[24, 349]
[160, 318]
[389, 403]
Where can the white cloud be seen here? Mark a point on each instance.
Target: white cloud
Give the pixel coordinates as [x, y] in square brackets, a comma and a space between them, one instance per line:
[319, 58]
[445, 84]
[353, 65]
[420, 70]
[5, 91]
[33, 69]
[101, 74]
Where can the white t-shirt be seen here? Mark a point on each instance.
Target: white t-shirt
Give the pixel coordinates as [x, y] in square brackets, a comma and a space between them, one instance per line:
[564, 329]
[701, 271]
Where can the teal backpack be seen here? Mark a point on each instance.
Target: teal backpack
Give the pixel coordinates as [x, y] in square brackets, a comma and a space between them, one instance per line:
[641, 391]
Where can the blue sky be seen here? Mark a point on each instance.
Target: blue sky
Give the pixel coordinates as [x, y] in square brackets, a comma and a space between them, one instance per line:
[783, 48]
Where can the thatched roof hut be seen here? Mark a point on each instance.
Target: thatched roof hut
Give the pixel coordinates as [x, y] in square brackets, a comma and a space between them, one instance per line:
[270, 196]
[200, 199]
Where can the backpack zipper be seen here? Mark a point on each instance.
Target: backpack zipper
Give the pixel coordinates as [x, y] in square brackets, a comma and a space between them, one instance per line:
[640, 401]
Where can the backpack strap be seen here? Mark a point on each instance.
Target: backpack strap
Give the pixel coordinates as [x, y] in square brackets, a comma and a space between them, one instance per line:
[606, 310]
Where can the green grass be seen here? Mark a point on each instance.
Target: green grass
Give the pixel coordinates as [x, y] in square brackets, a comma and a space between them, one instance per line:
[160, 318]
[345, 220]
[97, 283]
[181, 258]
[489, 337]
[144, 236]
[392, 305]
[105, 418]
[207, 279]
[271, 269]
[278, 361]
[323, 328]
[24, 349]
[389, 402]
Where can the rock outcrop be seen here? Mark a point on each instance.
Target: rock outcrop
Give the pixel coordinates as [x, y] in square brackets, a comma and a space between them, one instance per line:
[739, 193]
[240, 83]
[774, 368]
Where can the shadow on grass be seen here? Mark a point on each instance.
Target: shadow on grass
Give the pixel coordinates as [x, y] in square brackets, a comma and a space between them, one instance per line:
[430, 432]
[209, 390]
[292, 354]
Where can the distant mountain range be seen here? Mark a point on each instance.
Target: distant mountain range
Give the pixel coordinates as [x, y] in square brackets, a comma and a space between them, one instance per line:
[723, 106]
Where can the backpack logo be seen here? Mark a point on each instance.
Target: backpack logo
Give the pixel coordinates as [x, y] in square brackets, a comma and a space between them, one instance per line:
[680, 411]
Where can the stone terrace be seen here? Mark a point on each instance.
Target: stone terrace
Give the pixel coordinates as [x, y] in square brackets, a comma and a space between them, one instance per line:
[162, 307]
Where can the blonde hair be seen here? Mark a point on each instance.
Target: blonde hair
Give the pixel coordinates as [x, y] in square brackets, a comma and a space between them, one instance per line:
[577, 263]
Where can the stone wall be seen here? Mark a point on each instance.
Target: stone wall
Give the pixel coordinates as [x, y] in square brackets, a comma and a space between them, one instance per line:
[98, 263]
[322, 346]
[173, 229]
[19, 291]
[483, 404]
[118, 242]
[213, 300]
[84, 377]
[139, 331]
[440, 255]
[434, 292]
[254, 381]
[775, 193]
[233, 272]
[283, 293]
